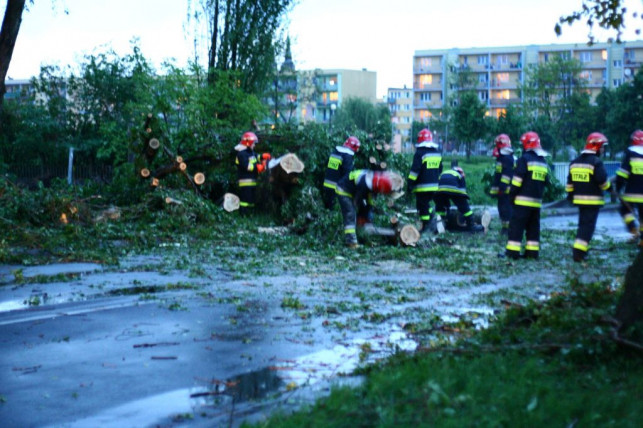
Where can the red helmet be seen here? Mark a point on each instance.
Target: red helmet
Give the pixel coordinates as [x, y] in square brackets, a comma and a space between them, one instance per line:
[595, 141]
[248, 139]
[637, 138]
[530, 141]
[425, 135]
[502, 141]
[352, 143]
[382, 183]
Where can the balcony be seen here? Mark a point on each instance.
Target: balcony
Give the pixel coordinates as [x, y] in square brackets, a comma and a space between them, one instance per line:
[503, 101]
[421, 105]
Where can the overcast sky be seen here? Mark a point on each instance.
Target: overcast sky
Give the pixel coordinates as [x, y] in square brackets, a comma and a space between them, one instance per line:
[379, 35]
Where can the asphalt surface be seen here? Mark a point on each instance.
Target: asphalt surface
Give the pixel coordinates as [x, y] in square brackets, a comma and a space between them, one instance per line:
[137, 347]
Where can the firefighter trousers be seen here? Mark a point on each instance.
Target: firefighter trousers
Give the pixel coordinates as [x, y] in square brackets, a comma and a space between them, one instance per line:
[246, 198]
[524, 220]
[587, 216]
[504, 209]
[628, 211]
[328, 197]
[443, 203]
[349, 215]
[423, 205]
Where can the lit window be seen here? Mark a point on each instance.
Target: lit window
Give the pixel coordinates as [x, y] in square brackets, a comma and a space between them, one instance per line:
[426, 79]
[334, 96]
[604, 55]
[503, 77]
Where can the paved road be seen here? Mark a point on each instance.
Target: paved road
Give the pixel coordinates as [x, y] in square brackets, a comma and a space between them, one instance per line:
[137, 346]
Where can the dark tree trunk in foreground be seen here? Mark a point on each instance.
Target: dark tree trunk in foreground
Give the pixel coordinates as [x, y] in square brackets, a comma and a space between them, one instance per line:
[630, 308]
[8, 35]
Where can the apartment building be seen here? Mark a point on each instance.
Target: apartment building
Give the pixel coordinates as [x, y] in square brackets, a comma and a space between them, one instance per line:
[498, 72]
[321, 92]
[400, 104]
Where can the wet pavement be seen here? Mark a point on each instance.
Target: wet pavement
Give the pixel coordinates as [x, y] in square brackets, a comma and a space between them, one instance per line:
[85, 345]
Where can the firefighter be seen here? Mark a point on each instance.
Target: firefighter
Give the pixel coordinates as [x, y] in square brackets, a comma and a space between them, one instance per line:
[340, 164]
[586, 182]
[505, 163]
[423, 177]
[249, 166]
[355, 193]
[629, 177]
[527, 187]
[452, 187]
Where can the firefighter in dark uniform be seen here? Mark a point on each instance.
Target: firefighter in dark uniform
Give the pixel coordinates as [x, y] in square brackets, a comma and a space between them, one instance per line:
[355, 194]
[527, 188]
[629, 177]
[423, 178]
[452, 187]
[505, 163]
[586, 182]
[249, 166]
[340, 164]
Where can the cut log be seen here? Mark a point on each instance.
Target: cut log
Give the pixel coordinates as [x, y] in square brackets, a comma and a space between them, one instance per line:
[199, 178]
[284, 175]
[172, 201]
[230, 202]
[154, 182]
[152, 148]
[144, 173]
[485, 219]
[289, 163]
[378, 147]
[408, 235]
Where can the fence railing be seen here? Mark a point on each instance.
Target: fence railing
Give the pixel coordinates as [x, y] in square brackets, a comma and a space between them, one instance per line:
[561, 169]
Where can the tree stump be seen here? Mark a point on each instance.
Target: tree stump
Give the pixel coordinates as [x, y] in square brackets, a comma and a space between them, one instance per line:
[284, 175]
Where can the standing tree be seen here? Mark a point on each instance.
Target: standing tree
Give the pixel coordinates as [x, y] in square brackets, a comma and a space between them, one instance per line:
[469, 119]
[549, 91]
[608, 14]
[8, 36]
[243, 36]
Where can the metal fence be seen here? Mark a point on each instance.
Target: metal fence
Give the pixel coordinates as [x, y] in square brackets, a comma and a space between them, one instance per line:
[561, 169]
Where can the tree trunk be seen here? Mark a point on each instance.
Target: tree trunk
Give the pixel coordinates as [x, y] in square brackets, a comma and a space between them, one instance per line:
[284, 175]
[8, 35]
[213, 44]
[629, 310]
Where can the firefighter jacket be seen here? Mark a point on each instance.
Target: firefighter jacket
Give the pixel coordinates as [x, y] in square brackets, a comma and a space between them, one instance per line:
[630, 175]
[529, 180]
[425, 169]
[340, 164]
[247, 161]
[587, 180]
[453, 183]
[358, 186]
[505, 164]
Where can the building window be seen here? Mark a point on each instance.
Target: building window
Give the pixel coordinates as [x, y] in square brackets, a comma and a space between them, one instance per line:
[503, 77]
[545, 57]
[586, 74]
[482, 59]
[567, 55]
[617, 82]
[425, 96]
[618, 63]
[426, 80]
[585, 57]
[332, 82]
[334, 96]
[482, 78]
[483, 95]
[503, 59]
[604, 55]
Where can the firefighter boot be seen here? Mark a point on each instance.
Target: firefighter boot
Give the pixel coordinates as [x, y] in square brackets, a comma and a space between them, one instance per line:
[472, 227]
[579, 255]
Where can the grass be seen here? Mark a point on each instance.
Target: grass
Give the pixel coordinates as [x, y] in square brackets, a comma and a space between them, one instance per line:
[549, 364]
[540, 363]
